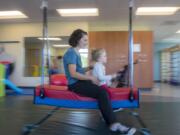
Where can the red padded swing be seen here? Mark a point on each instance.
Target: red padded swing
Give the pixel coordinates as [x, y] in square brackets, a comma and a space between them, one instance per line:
[57, 94]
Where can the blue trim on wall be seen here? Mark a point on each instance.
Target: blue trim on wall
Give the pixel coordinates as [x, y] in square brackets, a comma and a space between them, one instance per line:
[83, 104]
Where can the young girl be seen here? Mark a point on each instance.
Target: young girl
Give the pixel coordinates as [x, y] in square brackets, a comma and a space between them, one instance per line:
[86, 85]
[99, 71]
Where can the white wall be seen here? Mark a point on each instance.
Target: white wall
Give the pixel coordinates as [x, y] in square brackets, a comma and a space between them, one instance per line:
[115, 26]
[17, 32]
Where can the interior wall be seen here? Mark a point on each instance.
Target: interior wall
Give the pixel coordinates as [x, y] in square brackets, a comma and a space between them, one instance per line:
[17, 32]
[116, 26]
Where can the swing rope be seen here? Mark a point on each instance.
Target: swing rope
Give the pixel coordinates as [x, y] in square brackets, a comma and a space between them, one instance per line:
[45, 50]
[130, 57]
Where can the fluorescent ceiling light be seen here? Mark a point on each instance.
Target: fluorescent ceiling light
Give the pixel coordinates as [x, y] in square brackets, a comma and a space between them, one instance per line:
[178, 32]
[51, 38]
[61, 45]
[11, 15]
[79, 12]
[156, 10]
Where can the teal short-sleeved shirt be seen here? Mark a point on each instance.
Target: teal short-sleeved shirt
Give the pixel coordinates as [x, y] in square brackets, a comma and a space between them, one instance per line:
[72, 57]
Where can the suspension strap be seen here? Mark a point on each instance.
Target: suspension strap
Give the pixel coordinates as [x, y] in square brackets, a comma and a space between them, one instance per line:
[130, 57]
[45, 51]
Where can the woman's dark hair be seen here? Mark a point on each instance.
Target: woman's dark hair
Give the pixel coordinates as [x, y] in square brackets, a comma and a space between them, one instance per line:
[76, 36]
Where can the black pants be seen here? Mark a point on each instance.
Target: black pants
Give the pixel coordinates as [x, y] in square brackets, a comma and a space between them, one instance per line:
[88, 89]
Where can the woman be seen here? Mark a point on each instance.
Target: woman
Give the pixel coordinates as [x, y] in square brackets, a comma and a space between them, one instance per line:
[87, 85]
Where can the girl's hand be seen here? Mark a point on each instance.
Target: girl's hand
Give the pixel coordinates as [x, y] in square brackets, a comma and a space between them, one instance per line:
[114, 76]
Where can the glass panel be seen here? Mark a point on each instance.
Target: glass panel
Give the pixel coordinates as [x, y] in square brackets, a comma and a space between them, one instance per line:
[33, 53]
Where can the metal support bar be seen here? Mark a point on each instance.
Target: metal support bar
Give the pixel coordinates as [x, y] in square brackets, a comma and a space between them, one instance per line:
[30, 127]
[144, 130]
[131, 57]
[46, 50]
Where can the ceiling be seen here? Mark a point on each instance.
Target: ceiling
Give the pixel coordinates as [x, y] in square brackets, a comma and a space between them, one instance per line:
[111, 13]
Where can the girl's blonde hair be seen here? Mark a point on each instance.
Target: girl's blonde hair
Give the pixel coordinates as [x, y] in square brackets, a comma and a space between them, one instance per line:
[96, 53]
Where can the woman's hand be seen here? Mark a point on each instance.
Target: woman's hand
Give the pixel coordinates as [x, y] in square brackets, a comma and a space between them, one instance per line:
[94, 80]
[86, 69]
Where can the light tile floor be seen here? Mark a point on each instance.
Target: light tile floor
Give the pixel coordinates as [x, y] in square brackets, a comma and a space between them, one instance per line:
[162, 92]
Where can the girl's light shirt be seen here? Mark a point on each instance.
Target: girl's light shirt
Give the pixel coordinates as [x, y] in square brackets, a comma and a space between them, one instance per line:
[99, 71]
